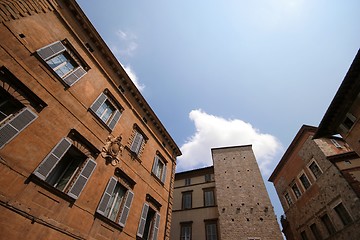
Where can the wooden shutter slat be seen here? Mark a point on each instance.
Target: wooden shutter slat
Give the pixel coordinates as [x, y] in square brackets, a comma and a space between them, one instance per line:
[163, 177]
[156, 227]
[106, 196]
[100, 100]
[12, 128]
[126, 209]
[142, 222]
[115, 119]
[51, 50]
[136, 144]
[82, 179]
[52, 159]
[74, 76]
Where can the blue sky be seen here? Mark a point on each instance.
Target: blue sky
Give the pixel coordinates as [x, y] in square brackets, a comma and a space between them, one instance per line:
[232, 72]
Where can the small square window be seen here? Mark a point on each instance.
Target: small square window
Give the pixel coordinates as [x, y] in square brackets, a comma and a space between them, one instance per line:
[64, 61]
[106, 109]
[304, 181]
[316, 171]
[296, 190]
[207, 177]
[187, 181]
[288, 199]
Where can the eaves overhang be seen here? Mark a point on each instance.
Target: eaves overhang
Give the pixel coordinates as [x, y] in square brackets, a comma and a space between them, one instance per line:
[342, 102]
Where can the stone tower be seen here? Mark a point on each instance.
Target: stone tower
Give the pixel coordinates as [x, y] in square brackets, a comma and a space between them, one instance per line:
[245, 210]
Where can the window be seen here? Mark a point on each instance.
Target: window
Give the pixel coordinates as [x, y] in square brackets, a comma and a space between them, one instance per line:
[316, 171]
[18, 106]
[187, 200]
[304, 181]
[315, 231]
[296, 190]
[336, 144]
[303, 235]
[211, 230]
[343, 214]
[185, 232]
[149, 223]
[187, 181]
[348, 122]
[288, 199]
[159, 169]
[64, 61]
[116, 202]
[207, 177]
[66, 168]
[328, 224]
[106, 109]
[137, 142]
[209, 197]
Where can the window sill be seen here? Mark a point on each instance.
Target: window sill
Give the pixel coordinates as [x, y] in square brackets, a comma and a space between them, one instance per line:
[51, 189]
[108, 221]
[157, 179]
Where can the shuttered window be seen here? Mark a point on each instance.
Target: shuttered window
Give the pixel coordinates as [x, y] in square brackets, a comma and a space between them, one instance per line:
[57, 56]
[105, 109]
[209, 198]
[116, 202]
[15, 125]
[159, 169]
[66, 168]
[137, 142]
[211, 230]
[149, 223]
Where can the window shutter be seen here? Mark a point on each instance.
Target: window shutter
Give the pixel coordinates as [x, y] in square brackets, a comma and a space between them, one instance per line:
[115, 119]
[126, 209]
[74, 76]
[156, 227]
[100, 100]
[9, 130]
[163, 177]
[142, 222]
[156, 160]
[106, 196]
[136, 144]
[50, 161]
[82, 179]
[51, 50]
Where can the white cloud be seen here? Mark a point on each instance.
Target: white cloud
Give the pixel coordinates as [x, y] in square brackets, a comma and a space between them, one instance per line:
[213, 131]
[134, 78]
[125, 44]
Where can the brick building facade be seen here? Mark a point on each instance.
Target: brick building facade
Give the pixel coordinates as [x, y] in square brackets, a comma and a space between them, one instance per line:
[318, 200]
[82, 154]
[227, 201]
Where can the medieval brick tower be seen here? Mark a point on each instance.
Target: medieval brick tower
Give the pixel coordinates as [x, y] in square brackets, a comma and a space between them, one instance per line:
[245, 210]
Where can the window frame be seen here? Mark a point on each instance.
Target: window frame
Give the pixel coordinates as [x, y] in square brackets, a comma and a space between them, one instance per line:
[115, 116]
[187, 181]
[345, 220]
[209, 223]
[315, 231]
[297, 193]
[288, 200]
[212, 190]
[154, 171]
[57, 48]
[80, 176]
[184, 204]
[328, 223]
[313, 161]
[344, 127]
[143, 221]
[14, 123]
[185, 225]
[302, 173]
[124, 207]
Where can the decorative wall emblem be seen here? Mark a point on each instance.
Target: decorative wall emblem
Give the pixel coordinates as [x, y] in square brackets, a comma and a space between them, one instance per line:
[112, 151]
